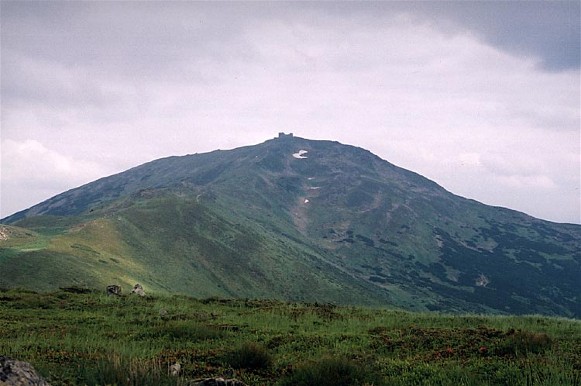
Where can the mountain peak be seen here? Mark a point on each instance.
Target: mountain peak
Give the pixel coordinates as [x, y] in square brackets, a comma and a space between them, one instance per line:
[304, 220]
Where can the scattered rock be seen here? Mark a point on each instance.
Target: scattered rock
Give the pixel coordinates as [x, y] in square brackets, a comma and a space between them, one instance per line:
[138, 289]
[217, 382]
[114, 289]
[17, 373]
[175, 369]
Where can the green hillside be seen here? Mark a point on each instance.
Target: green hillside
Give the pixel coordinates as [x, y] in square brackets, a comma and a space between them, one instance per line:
[295, 219]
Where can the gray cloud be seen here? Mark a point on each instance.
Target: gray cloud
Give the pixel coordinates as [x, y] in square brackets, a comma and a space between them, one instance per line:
[452, 91]
[548, 31]
[148, 36]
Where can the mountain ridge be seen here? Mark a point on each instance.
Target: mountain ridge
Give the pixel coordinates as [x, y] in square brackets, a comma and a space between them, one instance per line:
[298, 219]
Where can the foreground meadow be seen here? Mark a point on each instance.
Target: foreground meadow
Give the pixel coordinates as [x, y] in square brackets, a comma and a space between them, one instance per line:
[79, 337]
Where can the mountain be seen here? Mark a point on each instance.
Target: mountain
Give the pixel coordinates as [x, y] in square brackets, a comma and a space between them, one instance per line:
[295, 219]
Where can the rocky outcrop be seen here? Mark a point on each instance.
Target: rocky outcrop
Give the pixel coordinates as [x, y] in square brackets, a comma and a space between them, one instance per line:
[114, 289]
[138, 289]
[17, 373]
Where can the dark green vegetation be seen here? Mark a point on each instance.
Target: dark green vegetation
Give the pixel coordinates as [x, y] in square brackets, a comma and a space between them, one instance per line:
[88, 338]
[339, 226]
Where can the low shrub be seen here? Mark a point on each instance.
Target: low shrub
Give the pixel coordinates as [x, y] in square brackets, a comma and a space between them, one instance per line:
[250, 356]
[332, 372]
[524, 342]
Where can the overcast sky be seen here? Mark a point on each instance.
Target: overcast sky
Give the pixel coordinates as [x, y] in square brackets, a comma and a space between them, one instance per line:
[481, 97]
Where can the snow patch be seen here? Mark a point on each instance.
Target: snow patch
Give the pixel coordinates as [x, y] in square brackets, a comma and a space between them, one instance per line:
[306, 200]
[300, 154]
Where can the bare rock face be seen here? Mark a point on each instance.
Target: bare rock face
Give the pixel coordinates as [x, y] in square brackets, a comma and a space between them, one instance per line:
[114, 289]
[17, 373]
[138, 289]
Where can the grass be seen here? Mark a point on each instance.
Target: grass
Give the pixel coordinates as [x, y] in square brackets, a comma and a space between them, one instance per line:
[91, 339]
[331, 371]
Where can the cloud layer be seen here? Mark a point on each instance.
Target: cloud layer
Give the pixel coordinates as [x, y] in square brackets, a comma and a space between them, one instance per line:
[486, 107]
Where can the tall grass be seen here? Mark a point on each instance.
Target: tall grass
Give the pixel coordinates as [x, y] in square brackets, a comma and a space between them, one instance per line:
[89, 338]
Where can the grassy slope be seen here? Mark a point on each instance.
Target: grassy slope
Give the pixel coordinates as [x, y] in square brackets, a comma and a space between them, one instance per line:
[171, 244]
[206, 246]
[93, 339]
[89, 253]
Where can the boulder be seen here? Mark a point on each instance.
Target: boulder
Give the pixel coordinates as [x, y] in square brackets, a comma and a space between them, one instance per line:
[17, 373]
[114, 289]
[175, 369]
[138, 289]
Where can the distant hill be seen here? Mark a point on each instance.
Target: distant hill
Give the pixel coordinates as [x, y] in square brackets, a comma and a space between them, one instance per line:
[295, 219]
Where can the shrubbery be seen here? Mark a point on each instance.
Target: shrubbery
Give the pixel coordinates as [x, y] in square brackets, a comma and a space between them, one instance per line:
[524, 342]
[332, 372]
[250, 356]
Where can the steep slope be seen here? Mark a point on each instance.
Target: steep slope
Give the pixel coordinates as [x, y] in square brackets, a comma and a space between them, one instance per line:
[299, 219]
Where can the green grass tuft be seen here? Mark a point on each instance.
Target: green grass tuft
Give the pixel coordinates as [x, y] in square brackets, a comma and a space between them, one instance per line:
[251, 356]
[331, 372]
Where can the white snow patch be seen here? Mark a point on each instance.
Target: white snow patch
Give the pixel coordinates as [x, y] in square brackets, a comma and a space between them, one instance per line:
[306, 200]
[300, 154]
[314, 187]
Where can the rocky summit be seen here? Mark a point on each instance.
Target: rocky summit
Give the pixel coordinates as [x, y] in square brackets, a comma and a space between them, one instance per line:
[295, 219]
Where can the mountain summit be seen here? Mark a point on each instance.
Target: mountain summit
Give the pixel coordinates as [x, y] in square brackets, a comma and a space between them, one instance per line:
[295, 219]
